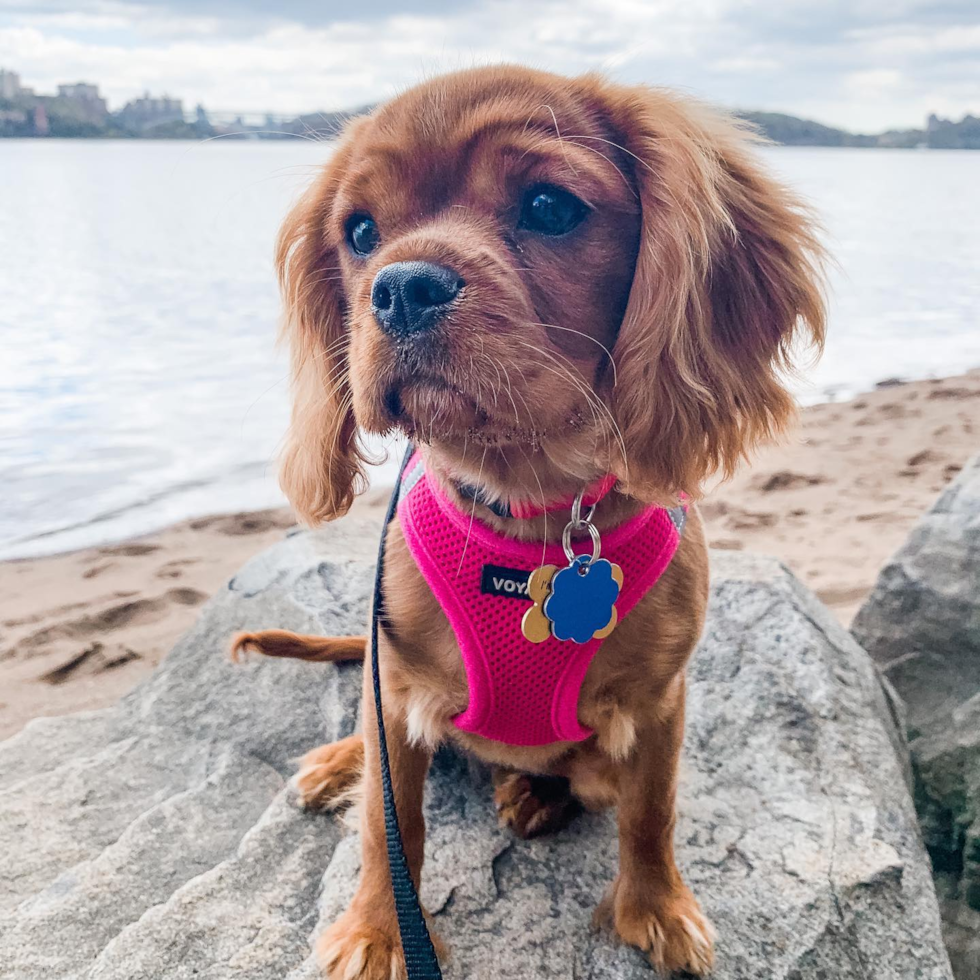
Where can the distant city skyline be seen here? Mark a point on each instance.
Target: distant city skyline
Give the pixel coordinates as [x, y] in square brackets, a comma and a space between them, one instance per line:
[13, 84]
[78, 109]
[864, 66]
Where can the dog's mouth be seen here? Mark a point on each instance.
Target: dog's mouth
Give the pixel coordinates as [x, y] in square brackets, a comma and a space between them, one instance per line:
[431, 401]
[393, 404]
[427, 409]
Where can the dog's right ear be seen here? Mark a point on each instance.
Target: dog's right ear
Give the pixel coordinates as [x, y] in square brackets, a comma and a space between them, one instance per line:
[323, 461]
[727, 293]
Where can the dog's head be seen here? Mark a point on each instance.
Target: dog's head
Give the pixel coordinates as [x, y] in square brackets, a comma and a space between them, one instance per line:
[508, 262]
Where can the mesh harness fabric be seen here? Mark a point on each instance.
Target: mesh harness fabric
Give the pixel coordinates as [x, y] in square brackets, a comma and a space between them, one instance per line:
[520, 693]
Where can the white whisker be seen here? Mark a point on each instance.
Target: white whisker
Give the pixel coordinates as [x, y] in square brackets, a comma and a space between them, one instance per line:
[598, 343]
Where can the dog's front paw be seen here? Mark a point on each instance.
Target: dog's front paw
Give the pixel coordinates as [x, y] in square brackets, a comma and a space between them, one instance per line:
[329, 776]
[354, 949]
[668, 926]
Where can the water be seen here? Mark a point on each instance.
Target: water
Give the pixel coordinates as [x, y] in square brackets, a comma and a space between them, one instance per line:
[139, 381]
[905, 298]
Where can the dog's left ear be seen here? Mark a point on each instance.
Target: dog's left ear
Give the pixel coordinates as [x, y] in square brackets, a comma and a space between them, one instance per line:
[727, 283]
[323, 463]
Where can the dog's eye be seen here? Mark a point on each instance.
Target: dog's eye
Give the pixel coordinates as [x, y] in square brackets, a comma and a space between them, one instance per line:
[550, 210]
[362, 233]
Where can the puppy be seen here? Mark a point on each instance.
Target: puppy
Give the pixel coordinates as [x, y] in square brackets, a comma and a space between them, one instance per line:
[543, 283]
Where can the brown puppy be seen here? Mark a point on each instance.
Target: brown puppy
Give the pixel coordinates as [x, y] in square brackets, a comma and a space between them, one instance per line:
[626, 282]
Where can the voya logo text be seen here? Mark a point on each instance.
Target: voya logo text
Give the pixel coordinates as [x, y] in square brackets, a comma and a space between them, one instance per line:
[508, 582]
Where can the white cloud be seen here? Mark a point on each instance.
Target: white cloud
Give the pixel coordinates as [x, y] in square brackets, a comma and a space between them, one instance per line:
[865, 65]
[874, 82]
[908, 40]
[747, 65]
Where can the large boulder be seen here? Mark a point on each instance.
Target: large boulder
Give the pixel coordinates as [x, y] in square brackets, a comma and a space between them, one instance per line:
[158, 840]
[922, 626]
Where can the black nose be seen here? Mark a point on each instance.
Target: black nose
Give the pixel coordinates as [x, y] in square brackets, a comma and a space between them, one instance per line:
[410, 297]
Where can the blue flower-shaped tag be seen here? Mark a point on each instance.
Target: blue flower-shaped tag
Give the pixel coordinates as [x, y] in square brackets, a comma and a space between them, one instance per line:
[576, 603]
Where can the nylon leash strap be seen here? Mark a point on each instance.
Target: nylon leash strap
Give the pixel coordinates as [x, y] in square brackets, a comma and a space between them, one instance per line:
[420, 955]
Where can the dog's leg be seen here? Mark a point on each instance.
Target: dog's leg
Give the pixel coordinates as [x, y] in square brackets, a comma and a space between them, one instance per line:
[531, 805]
[364, 944]
[649, 905]
[298, 646]
[328, 775]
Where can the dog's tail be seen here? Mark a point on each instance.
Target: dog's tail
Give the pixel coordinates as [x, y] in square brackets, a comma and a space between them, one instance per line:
[298, 646]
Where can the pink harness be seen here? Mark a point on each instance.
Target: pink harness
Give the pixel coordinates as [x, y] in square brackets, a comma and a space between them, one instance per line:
[521, 693]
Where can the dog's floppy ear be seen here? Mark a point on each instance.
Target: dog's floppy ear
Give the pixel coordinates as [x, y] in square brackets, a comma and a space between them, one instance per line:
[323, 462]
[727, 283]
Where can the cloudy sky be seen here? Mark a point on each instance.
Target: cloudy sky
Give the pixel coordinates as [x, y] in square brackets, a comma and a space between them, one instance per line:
[863, 64]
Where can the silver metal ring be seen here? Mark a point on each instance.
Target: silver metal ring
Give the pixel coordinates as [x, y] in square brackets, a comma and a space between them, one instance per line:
[577, 518]
[566, 539]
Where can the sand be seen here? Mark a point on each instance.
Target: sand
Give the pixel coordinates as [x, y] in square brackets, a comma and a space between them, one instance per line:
[839, 496]
[78, 630]
[833, 501]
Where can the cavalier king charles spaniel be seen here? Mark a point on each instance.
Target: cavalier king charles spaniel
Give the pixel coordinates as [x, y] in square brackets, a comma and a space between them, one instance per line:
[543, 283]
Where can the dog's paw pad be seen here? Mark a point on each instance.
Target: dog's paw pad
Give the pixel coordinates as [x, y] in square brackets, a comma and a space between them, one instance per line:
[533, 805]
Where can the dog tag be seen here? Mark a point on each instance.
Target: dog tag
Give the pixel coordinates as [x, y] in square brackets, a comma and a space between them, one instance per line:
[535, 626]
[582, 604]
[577, 603]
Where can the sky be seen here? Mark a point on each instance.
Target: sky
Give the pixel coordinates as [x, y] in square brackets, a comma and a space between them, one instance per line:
[864, 65]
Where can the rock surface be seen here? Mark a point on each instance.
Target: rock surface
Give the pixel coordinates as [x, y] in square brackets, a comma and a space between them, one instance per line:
[157, 840]
[922, 625]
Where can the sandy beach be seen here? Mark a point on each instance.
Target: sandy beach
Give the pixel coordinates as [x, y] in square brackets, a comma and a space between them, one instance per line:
[833, 501]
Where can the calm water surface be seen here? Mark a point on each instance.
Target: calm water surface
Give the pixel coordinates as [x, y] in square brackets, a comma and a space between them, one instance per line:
[139, 381]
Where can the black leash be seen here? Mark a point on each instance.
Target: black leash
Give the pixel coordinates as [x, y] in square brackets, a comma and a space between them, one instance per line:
[420, 955]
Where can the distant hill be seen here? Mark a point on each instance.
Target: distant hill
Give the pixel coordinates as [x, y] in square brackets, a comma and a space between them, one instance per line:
[792, 131]
[946, 134]
[939, 134]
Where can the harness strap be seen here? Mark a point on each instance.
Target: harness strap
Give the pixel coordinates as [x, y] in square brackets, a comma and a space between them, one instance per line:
[420, 955]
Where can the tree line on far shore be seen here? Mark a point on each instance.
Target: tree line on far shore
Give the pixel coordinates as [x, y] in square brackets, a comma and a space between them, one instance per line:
[62, 118]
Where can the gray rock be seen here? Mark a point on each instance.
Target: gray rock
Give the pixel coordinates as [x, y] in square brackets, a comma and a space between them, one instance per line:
[156, 839]
[922, 626]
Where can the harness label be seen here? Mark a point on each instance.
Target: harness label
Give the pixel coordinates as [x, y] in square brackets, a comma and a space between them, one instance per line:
[511, 583]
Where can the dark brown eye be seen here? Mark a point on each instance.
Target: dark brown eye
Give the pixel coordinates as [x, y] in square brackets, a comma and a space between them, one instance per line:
[362, 234]
[550, 210]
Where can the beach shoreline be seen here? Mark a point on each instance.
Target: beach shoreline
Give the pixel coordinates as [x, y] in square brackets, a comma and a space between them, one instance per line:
[832, 501]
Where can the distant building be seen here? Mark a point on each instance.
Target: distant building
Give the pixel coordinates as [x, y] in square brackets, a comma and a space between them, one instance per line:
[85, 101]
[80, 90]
[10, 86]
[41, 125]
[147, 112]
